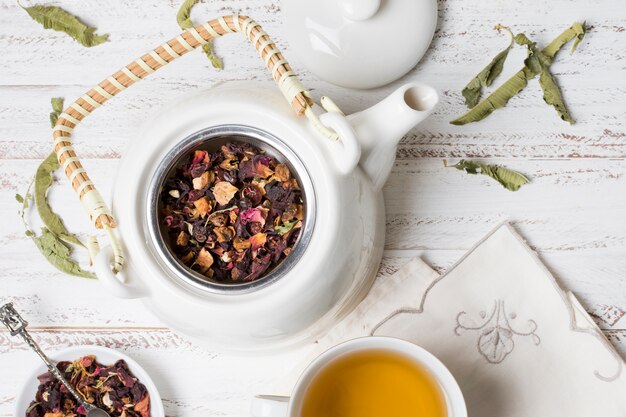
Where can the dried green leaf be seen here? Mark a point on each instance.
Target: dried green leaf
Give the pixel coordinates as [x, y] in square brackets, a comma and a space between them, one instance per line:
[285, 228]
[43, 181]
[52, 17]
[511, 180]
[576, 31]
[517, 82]
[552, 95]
[497, 99]
[538, 62]
[57, 109]
[579, 29]
[25, 202]
[485, 78]
[58, 254]
[215, 60]
[183, 17]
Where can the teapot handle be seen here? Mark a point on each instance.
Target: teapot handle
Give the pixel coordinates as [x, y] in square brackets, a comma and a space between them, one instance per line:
[299, 98]
[118, 283]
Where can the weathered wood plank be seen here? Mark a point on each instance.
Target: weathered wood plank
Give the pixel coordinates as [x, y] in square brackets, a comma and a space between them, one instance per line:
[25, 130]
[432, 211]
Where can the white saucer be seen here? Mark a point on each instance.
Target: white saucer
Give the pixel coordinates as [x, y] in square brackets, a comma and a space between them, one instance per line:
[103, 355]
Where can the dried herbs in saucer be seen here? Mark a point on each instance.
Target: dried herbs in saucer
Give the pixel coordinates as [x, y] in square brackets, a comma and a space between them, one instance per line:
[112, 388]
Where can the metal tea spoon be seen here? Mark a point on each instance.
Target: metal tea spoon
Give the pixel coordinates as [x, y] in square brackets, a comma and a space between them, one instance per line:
[17, 326]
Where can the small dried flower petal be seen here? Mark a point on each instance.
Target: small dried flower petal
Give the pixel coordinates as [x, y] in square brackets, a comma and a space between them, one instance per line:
[229, 164]
[143, 407]
[203, 206]
[204, 258]
[224, 192]
[282, 172]
[233, 214]
[253, 215]
[224, 234]
[200, 157]
[201, 182]
[241, 244]
[258, 240]
[182, 239]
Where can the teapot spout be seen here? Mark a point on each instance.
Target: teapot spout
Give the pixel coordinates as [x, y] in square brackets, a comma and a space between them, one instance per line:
[382, 126]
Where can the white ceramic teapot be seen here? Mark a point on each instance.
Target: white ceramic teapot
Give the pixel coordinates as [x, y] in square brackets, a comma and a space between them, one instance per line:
[340, 161]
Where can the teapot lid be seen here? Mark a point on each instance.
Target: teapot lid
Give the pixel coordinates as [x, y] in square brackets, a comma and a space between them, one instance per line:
[360, 43]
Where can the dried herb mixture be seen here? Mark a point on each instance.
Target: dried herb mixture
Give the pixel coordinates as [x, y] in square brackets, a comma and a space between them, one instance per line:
[234, 214]
[112, 388]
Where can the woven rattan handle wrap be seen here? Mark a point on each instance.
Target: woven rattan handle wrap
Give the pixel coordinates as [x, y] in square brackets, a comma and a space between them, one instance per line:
[298, 97]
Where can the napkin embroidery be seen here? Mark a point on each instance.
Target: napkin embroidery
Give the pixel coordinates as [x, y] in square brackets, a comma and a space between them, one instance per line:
[496, 339]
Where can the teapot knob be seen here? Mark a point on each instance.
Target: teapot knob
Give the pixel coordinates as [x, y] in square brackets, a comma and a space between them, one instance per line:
[359, 9]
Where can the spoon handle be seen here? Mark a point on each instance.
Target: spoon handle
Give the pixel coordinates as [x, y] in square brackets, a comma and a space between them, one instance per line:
[17, 326]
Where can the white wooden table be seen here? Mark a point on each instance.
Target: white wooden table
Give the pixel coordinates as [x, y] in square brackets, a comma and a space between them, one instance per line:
[573, 213]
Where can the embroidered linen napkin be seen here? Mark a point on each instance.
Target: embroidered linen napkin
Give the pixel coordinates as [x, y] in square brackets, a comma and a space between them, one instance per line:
[518, 344]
